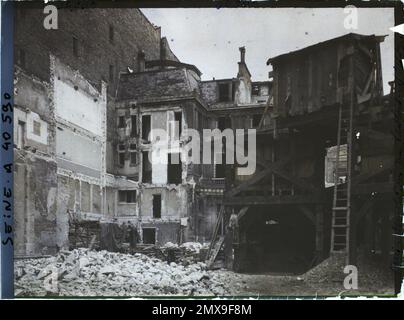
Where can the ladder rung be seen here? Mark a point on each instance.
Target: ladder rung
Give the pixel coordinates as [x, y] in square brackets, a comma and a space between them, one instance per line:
[340, 225]
[340, 208]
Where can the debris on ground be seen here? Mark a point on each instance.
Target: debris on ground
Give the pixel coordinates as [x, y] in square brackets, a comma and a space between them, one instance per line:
[82, 272]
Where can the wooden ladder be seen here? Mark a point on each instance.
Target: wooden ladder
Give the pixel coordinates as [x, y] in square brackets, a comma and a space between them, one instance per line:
[341, 210]
[216, 242]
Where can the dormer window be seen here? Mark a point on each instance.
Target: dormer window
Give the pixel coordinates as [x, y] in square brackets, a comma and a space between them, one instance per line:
[224, 92]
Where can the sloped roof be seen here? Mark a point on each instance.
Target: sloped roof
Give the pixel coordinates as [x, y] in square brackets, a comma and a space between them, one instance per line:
[349, 36]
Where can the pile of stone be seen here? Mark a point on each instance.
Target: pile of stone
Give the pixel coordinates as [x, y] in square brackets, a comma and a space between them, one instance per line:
[82, 272]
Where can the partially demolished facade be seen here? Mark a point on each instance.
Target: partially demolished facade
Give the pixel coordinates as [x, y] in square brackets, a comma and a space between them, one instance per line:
[85, 109]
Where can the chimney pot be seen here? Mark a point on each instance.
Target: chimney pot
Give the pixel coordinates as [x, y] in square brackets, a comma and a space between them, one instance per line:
[242, 54]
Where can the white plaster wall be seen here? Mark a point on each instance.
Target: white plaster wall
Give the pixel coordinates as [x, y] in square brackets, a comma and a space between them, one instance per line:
[78, 148]
[78, 107]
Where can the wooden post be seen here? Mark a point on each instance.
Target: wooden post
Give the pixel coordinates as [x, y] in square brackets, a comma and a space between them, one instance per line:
[319, 218]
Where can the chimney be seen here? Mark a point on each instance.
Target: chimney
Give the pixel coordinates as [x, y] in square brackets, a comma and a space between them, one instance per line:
[140, 61]
[163, 49]
[242, 54]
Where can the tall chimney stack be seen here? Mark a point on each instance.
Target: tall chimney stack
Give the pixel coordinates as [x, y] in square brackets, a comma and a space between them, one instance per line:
[242, 54]
[163, 49]
[141, 61]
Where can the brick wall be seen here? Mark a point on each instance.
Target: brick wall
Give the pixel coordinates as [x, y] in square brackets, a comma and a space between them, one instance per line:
[96, 51]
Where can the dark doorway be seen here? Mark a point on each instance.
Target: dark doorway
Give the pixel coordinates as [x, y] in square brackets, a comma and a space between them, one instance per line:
[276, 240]
[149, 235]
[157, 206]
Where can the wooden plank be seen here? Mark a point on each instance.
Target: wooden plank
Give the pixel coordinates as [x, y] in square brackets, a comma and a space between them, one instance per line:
[308, 213]
[242, 212]
[258, 177]
[258, 200]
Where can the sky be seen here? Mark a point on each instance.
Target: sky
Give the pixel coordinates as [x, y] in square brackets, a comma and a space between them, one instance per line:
[209, 38]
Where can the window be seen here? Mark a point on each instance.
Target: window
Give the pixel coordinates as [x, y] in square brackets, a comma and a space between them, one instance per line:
[157, 206]
[174, 168]
[21, 134]
[133, 158]
[36, 128]
[224, 92]
[221, 123]
[121, 147]
[178, 121]
[219, 169]
[75, 47]
[21, 58]
[121, 122]
[149, 235]
[132, 146]
[121, 159]
[111, 33]
[146, 168]
[133, 131]
[111, 73]
[127, 196]
[146, 126]
[255, 90]
[256, 119]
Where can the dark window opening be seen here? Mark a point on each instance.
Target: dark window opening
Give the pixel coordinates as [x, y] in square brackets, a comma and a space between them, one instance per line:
[221, 123]
[224, 92]
[146, 168]
[157, 206]
[121, 122]
[133, 159]
[127, 196]
[121, 159]
[174, 168]
[146, 126]
[111, 33]
[21, 58]
[121, 147]
[256, 120]
[255, 90]
[178, 121]
[133, 131]
[149, 235]
[220, 171]
[37, 128]
[132, 146]
[111, 73]
[75, 47]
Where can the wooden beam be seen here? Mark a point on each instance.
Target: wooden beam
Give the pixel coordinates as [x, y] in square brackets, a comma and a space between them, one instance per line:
[308, 213]
[294, 180]
[242, 212]
[257, 177]
[272, 200]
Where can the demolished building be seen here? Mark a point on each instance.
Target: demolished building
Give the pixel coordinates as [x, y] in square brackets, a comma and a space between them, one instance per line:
[85, 110]
[83, 177]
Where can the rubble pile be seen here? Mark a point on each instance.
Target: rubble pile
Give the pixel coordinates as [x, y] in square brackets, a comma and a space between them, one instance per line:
[82, 272]
[186, 253]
